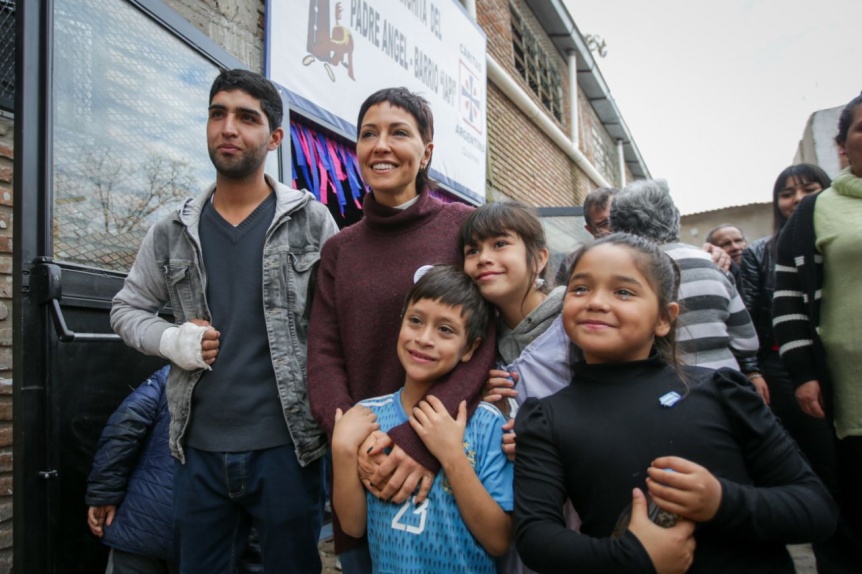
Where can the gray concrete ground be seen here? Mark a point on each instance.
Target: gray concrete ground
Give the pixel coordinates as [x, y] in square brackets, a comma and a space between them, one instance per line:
[802, 557]
[327, 554]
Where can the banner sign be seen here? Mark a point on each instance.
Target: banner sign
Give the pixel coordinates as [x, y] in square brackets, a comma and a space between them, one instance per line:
[329, 55]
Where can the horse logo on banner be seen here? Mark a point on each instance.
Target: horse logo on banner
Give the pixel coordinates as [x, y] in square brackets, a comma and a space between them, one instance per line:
[326, 43]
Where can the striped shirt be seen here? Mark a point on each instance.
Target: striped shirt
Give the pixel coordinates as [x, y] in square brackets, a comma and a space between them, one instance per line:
[796, 301]
[714, 329]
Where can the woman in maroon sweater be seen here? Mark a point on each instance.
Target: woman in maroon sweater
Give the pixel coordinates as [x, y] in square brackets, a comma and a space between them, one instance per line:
[365, 272]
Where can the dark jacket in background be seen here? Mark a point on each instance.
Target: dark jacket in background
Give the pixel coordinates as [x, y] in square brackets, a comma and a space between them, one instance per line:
[736, 273]
[134, 470]
[757, 283]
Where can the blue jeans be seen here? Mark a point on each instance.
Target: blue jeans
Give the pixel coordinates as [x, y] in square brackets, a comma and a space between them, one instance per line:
[357, 560]
[120, 562]
[219, 495]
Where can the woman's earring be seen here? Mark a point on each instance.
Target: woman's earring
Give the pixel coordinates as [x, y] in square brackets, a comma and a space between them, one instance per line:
[539, 282]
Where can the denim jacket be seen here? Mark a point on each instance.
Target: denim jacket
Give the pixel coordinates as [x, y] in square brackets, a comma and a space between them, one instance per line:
[169, 269]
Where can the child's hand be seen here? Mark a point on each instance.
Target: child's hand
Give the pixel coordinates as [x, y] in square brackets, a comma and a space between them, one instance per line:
[443, 435]
[352, 427]
[690, 491]
[100, 516]
[509, 439]
[671, 550]
[500, 386]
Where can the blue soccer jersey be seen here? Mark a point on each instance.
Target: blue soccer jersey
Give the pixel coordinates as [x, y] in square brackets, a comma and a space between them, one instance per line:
[432, 537]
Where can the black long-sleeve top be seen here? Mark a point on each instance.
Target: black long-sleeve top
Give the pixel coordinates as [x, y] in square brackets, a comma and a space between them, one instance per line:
[594, 440]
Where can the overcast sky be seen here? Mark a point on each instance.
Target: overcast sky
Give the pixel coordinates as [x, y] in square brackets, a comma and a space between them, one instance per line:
[716, 94]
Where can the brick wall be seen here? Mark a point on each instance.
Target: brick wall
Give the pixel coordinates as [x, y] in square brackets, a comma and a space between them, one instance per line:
[6, 158]
[235, 25]
[524, 163]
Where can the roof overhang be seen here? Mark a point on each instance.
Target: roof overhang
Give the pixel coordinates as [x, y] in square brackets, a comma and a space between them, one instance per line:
[560, 27]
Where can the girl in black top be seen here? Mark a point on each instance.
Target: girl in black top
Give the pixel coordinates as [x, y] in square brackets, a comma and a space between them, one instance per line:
[702, 442]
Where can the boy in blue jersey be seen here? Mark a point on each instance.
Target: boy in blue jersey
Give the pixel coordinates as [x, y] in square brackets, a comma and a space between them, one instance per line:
[465, 520]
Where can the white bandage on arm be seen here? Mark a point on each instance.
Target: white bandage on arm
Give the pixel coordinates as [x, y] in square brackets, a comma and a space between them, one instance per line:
[182, 345]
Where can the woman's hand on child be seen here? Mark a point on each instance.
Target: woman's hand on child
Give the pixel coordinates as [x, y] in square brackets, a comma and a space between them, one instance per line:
[99, 517]
[394, 476]
[371, 454]
[684, 488]
[443, 435]
[352, 427]
[499, 387]
[509, 439]
[671, 550]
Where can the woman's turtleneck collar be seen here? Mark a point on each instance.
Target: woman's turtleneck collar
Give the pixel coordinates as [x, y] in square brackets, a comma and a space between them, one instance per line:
[385, 219]
[608, 372]
[846, 183]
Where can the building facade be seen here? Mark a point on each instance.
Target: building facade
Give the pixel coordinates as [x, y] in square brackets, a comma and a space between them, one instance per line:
[754, 219]
[817, 144]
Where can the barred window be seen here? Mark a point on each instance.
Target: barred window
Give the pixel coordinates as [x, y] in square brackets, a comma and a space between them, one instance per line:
[605, 157]
[536, 66]
[7, 54]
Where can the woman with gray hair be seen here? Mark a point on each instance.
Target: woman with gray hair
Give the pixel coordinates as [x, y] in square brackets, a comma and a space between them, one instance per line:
[714, 329]
[647, 210]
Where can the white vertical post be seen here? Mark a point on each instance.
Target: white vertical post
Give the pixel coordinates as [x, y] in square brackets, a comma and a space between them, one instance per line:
[470, 5]
[621, 157]
[573, 96]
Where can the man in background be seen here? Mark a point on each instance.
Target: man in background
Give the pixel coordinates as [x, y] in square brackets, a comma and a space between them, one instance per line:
[597, 214]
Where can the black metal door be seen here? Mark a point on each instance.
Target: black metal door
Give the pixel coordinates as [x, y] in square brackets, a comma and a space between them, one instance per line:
[87, 372]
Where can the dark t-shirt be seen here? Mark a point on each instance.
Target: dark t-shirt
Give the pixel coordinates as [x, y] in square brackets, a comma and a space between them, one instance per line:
[235, 406]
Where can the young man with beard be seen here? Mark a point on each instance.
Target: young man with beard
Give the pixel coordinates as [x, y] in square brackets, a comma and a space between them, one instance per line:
[235, 264]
